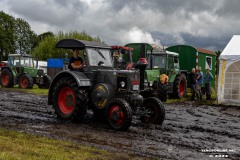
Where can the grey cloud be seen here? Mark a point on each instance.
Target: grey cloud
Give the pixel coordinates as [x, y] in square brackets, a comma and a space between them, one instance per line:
[52, 12]
[207, 24]
[211, 43]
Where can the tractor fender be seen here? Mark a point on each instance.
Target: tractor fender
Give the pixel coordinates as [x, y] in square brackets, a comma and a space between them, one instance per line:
[79, 77]
[6, 68]
[12, 71]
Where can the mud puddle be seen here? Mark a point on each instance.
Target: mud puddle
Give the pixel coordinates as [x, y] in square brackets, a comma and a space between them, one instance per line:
[188, 132]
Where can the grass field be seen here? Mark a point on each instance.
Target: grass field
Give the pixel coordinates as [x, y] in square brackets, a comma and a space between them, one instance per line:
[15, 145]
[34, 90]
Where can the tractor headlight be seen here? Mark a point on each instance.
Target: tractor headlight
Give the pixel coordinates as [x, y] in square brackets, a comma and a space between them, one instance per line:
[122, 84]
[150, 84]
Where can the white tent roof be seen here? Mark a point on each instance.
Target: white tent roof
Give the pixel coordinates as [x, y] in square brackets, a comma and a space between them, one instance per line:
[232, 50]
[229, 73]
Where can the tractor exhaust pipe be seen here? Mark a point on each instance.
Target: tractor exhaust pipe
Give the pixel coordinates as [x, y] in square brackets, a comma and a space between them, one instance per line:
[142, 65]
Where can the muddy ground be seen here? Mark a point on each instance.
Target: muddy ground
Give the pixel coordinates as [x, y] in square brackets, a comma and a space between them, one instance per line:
[189, 131]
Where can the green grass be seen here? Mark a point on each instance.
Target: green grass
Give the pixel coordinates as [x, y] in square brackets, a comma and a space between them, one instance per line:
[15, 145]
[34, 90]
[188, 98]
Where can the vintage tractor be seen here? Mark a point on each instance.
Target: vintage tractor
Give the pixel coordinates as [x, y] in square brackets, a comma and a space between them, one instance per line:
[113, 94]
[162, 73]
[21, 71]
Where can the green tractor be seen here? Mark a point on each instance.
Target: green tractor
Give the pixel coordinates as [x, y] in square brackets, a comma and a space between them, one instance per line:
[162, 73]
[22, 70]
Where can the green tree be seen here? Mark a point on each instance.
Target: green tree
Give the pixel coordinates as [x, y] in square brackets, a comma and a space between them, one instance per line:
[44, 35]
[46, 48]
[6, 35]
[25, 38]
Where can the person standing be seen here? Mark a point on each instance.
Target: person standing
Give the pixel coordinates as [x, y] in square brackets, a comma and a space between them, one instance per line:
[207, 79]
[194, 82]
[200, 81]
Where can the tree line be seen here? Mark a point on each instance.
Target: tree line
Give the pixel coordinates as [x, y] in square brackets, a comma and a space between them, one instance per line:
[16, 36]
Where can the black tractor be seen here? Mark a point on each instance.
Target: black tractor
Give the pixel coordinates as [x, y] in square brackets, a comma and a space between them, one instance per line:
[111, 94]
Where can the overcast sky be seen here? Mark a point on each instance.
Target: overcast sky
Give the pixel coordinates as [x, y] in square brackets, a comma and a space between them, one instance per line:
[206, 24]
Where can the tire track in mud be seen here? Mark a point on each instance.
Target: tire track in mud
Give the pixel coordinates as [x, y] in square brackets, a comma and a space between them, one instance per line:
[187, 129]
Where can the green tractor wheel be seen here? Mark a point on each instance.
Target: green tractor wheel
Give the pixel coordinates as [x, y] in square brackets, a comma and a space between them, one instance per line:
[25, 81]
[7, 78]
[180, 86]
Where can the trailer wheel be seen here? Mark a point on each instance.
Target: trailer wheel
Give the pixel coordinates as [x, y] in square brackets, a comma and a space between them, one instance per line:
[162, 92]
[67, 100]
[25, 81]
[180, 86]
[119, 114]
[7, 79]
[46, 82]
[155, 112]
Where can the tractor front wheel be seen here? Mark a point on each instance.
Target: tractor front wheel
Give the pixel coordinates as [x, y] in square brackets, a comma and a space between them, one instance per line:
[67, 100]
[119, 114]
[25, 81]
[155, 112]
[7, 79]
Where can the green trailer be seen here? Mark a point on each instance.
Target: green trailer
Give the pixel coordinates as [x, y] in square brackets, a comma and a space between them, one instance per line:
[191, 57]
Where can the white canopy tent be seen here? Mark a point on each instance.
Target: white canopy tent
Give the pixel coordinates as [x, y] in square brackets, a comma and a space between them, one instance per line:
[229, 73]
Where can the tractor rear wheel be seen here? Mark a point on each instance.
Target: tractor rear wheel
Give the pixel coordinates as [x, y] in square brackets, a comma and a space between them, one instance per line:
[155, 112]
[7, 79]
[25, 81]
[180, 86]
[67, 100]
[119, 114]
[162, 92]
[46, 82]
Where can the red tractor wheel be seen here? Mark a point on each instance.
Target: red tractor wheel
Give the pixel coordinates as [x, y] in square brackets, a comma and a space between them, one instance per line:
[25, 81]
[155, 112]
[180, 86]
[7, 79]
[119, 114]
[67, 100]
